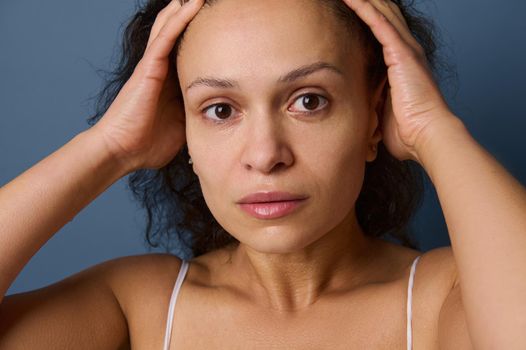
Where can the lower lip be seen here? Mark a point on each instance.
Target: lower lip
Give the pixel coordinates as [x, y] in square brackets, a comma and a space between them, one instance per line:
[271, 210]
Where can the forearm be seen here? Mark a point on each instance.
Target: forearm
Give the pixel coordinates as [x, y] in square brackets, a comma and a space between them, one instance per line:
[485, 211]
[36, 204]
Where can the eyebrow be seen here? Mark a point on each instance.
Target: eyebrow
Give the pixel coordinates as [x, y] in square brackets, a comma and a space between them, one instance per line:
[290, 77]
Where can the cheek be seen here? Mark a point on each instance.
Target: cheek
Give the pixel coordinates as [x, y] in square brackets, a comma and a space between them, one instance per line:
[199, 147]
[342, 170]
[211, 158]
[338, 162]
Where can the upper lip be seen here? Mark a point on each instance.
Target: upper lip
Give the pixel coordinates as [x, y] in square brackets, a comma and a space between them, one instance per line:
[265, 197]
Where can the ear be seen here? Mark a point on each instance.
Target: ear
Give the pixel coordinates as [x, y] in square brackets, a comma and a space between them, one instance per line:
[375, 134]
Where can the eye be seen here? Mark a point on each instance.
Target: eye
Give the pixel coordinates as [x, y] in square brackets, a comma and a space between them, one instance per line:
[218, 112]
[311, 103]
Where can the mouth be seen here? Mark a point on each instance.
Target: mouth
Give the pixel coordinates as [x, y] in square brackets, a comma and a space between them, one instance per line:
[271, 205]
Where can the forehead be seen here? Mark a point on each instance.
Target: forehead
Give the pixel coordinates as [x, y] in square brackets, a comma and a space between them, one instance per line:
[250, 38]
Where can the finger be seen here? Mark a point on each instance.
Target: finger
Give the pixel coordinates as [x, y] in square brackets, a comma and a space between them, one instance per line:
[154, 65]
[395, 16]
[161, 18]
[382, 27]
[164, 42]
[389, 8]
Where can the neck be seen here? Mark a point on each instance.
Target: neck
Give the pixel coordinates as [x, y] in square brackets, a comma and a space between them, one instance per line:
[294, 281]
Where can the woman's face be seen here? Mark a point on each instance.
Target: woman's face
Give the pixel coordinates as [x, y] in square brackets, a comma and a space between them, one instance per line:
[250, 127]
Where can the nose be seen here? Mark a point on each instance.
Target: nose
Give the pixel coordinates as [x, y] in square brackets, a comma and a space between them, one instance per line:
[266, 148]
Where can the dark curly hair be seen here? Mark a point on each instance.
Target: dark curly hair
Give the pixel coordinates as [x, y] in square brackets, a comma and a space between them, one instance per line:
[392, 190]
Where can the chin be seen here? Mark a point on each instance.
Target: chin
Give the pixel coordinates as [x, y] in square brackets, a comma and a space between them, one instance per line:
[277, 240]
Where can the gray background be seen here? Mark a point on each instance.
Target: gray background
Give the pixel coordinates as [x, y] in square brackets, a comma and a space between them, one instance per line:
[50, 52]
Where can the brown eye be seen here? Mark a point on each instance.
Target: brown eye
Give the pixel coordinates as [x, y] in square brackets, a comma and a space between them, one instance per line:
[310, 103]
[219, 111]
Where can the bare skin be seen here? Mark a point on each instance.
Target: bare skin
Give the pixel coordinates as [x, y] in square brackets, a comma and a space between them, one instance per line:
[223, 303]
[214, 307]
[370, 315]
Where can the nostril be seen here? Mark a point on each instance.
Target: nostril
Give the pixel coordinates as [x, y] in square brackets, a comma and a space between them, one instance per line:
[275, 168]
[266, 155]
[279, 166]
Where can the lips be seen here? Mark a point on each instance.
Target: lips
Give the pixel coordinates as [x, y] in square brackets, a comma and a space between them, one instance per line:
[268, 197]
[271, 205]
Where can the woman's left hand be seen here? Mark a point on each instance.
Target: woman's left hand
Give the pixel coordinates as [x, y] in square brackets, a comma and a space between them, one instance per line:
[414, 101]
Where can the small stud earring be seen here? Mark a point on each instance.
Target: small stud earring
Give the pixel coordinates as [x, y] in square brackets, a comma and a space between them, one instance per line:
[190, 161]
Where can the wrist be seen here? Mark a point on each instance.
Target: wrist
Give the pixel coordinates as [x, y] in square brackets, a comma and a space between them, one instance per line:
[437, 137]
[106, 157]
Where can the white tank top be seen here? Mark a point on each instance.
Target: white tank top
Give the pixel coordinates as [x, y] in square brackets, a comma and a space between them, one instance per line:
[184, 269]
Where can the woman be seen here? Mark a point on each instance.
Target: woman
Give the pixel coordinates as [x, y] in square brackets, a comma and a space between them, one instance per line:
[279, 129]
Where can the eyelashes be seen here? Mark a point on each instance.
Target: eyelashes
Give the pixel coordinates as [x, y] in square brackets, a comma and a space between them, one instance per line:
[308, 104]
[217, 109]
[312, 102]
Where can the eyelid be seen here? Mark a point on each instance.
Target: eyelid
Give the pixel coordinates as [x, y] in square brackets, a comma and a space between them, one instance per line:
[312, 94]
[301, 95]
[205, 109]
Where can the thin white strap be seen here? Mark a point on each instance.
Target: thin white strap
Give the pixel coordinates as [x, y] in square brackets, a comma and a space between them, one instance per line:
[409, 304]
[173, 299]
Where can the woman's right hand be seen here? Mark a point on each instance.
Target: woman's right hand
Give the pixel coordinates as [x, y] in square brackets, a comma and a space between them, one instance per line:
[145, 125]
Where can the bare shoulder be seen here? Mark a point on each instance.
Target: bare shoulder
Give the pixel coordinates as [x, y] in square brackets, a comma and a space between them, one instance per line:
[143, 285]
[452, 331]
[435, 276]
[107, 300]
[132, 275]
[441, 261]
[435, 267]
[434, 282]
